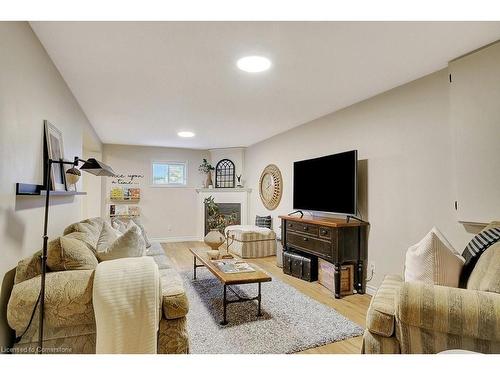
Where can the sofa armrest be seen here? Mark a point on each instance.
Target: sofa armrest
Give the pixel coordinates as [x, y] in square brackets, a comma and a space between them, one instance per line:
[68, 300]
[174, 300]
[380, 318]
[452, 311]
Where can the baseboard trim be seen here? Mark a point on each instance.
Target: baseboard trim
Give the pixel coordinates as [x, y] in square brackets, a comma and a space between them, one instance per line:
[176, 239]
[371, 290]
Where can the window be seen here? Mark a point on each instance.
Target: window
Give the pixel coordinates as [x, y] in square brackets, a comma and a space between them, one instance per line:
[169, 173]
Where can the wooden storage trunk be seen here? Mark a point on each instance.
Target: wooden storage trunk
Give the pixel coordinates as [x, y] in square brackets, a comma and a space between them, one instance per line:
[302, 266]
[326, 277]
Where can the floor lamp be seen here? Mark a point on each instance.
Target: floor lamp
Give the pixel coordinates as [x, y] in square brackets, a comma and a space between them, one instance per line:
[92, 166]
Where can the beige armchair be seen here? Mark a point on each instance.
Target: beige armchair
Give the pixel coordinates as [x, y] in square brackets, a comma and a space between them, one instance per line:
[420, 318]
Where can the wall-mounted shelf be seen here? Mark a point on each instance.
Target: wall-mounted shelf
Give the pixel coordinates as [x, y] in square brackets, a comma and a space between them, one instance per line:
[34, 189]
[125, 201]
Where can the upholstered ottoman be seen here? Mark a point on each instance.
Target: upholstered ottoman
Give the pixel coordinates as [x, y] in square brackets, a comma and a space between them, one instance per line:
[251, 241]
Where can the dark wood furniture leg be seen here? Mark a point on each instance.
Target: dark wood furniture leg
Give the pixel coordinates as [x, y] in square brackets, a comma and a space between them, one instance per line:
[359, 285]
[336, 275]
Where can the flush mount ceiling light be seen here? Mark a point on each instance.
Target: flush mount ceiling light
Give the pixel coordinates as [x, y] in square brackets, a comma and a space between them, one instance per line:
[254, 64]
[185, 134]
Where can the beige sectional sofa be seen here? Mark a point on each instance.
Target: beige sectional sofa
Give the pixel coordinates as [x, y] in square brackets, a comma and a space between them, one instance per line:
[69, 316]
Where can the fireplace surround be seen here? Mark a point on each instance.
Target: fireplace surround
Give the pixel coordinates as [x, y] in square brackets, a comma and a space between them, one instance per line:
[229, 197]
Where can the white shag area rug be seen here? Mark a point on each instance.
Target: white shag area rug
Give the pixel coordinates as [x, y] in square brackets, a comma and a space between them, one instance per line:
[291, 321]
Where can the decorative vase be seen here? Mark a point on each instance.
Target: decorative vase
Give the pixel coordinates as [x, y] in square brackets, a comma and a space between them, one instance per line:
[214, 239]
[208, 181]
[213, 254]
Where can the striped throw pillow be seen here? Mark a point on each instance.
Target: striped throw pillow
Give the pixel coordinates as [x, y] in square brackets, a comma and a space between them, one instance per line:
[477, 246]
[263, 221]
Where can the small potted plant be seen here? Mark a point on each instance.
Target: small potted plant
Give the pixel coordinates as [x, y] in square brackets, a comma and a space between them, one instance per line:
[216, 222]
[206, 168]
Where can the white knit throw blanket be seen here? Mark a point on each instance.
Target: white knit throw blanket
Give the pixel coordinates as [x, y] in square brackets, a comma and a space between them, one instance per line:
[126, 299]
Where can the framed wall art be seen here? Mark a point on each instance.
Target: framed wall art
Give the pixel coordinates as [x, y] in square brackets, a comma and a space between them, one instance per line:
[55, 151]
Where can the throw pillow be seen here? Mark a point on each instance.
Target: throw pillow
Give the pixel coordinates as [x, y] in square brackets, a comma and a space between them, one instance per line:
[138, 222]
[119, 225]
[130, 244]
[70, 253]
[486, 274]
[263, 221]
[476, 247]
[433, 261]
[122, 226]
[107, 236]
[28, 268]
[89, 230]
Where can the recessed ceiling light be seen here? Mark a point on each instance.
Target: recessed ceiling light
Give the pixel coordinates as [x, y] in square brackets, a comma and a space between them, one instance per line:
[254, 64]
[185, 134]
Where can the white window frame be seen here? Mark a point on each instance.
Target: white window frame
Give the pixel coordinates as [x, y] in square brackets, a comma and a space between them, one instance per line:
[183, 163]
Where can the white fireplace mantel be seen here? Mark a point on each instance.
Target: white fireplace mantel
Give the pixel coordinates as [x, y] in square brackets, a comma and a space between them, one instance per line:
[223, 190]
[223, 195]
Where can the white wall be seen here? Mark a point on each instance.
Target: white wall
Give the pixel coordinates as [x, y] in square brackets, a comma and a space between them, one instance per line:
[475, 117]
[93, 186]
[403, 138]
[168, 213]
[31, 90]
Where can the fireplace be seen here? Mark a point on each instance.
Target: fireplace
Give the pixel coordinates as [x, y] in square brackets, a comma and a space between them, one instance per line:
[235, 198]
[225, 209]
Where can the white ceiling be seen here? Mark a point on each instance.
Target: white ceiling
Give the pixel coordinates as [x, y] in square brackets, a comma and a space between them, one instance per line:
[142, 82]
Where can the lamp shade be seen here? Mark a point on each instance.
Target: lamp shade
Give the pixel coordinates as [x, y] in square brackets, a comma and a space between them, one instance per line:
[97, 168]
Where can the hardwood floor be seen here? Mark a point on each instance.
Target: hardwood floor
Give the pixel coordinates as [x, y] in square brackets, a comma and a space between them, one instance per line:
[352, 307]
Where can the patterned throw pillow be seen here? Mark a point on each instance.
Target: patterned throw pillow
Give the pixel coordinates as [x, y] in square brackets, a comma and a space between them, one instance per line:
[28, 268]
[433, 261]
[70, 253]
[122, 226]
[107, 236]
[130, 244]
[263, 221]
[476, 247]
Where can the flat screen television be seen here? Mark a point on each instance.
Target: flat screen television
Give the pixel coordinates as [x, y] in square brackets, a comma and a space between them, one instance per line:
[327, 184]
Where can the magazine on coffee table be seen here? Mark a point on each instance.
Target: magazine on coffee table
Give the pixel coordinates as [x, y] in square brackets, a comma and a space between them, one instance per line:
[232, 266]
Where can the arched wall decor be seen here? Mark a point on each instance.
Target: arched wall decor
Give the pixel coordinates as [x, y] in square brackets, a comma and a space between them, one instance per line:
[225, 174]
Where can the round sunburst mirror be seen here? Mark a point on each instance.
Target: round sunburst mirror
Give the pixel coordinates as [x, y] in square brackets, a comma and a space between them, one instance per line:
[271, 186]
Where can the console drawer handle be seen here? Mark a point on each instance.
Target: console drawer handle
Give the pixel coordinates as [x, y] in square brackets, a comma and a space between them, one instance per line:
[290, 224]
[306, 228]
[305, 238]
[323, 231]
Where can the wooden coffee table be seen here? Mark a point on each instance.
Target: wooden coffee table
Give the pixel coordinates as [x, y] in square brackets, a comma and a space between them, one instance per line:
[228, 279]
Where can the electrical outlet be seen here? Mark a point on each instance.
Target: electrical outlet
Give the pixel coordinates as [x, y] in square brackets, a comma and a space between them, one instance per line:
[169, 228]
[372, 267]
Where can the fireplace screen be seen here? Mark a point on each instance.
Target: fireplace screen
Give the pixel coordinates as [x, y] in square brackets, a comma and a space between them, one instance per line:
[225, 209]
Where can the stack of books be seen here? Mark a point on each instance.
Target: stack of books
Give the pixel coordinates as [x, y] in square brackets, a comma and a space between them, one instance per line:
[124, 210]
[124, 193]
[232, 266]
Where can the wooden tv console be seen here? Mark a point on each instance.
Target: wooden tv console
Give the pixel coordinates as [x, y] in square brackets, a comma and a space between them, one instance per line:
[334, 240]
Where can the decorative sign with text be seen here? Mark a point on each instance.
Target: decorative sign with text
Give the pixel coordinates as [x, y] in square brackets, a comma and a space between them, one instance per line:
[127, 179]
